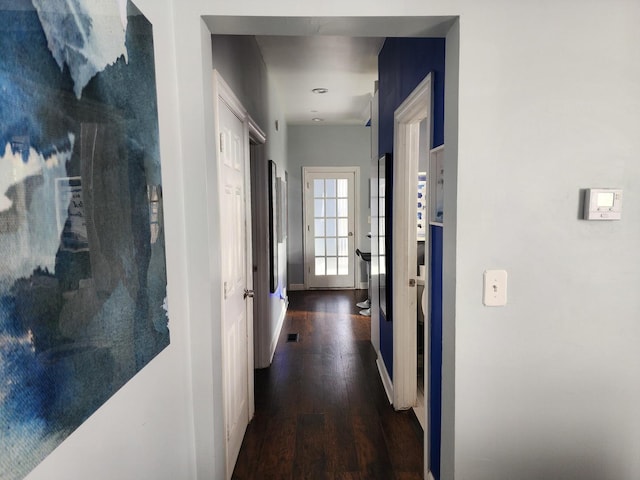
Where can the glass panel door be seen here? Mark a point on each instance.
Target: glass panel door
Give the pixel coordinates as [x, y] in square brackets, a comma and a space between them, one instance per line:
[330, 230]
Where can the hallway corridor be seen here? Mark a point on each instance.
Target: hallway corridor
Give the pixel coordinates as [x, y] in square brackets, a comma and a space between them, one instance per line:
[321, 409]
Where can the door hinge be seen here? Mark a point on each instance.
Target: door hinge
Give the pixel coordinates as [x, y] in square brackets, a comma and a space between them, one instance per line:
[221, 142]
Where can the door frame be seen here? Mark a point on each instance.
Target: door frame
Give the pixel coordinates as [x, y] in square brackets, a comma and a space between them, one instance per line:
[356, 209]
[251, 131]
[407, 117]
[260, 216]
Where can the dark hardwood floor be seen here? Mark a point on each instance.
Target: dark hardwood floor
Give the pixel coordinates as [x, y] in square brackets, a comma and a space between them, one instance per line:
[321, 409]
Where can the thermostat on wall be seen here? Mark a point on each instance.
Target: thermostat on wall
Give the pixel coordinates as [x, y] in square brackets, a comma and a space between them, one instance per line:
[603, 204]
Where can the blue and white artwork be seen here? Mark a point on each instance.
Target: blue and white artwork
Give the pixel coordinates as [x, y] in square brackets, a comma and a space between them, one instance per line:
[83, 302]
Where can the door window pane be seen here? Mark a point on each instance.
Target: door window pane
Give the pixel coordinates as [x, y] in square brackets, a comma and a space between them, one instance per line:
[343, 266]
[343, 207]
[343, 187]
[318, 210]
[343, 227]
[330, 227]
[320, 264]
[343, 247]
[332, 266]
[332, 248]
[319, 229]
[331, 208]
[318, 188]
[330, 187]
[320, 247]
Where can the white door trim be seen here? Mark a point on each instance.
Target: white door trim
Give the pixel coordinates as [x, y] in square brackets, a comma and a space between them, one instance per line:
[222, 91]
[256, 135]
[416, 108]
[311, 170]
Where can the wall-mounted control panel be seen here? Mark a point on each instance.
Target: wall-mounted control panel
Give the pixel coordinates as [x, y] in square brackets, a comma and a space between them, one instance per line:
[603, 204]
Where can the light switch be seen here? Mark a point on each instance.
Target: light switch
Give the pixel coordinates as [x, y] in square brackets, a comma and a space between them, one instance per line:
[495, 288]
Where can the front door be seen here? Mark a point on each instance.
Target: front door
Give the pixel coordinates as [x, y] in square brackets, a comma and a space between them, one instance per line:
[234, 278]
[330, 211]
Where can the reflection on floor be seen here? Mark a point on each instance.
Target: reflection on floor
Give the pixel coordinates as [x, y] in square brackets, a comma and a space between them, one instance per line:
[321, 409]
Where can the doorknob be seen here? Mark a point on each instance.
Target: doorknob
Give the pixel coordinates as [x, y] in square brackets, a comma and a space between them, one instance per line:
[248, 293]
[351, 234]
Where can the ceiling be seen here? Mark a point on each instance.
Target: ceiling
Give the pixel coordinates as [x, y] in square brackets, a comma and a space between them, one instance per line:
[346, 66]
[337, 53]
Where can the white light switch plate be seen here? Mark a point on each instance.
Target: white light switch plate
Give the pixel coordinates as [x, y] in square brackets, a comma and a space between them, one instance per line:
[495, 288]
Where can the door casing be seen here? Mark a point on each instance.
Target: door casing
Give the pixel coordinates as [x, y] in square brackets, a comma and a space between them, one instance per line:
[407, 118]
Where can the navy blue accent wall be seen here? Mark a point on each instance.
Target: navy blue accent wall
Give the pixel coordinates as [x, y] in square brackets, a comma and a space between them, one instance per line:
[435, 350]
[402, 64]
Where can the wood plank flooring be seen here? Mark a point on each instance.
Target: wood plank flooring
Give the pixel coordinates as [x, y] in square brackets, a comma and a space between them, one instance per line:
[321, 409]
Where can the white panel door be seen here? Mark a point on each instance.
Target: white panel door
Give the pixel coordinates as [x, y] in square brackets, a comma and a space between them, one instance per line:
[235, 311]
[330, 225]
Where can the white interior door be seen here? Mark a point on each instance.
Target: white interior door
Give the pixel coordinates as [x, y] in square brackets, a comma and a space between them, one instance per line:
[330, 210]
[234, 276]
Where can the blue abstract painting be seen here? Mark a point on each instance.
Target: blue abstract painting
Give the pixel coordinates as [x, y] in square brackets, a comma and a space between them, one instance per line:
[83, 304]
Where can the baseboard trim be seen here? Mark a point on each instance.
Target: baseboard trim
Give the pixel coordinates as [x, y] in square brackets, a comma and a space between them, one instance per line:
[296, 286]
[363, 286]
[386, 380]
[276, 334]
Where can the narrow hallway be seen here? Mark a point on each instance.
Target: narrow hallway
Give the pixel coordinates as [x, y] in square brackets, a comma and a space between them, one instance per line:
[321, 409]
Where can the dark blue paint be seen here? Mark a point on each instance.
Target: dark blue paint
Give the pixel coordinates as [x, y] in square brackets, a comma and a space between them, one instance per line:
[402, 64]
[435, 350]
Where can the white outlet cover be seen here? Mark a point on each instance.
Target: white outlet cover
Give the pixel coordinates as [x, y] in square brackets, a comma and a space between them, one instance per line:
[495, 288]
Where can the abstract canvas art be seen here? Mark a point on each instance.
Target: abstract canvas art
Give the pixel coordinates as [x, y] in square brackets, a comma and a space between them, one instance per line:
[83, 303]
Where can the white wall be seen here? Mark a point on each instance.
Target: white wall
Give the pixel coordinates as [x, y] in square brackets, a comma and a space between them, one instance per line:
[546, 387]
[548, 104]
[326, 146]
[146, 429]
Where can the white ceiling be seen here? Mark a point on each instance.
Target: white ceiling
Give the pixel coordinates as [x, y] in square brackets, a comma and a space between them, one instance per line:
[338, 53]
[346, 66]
